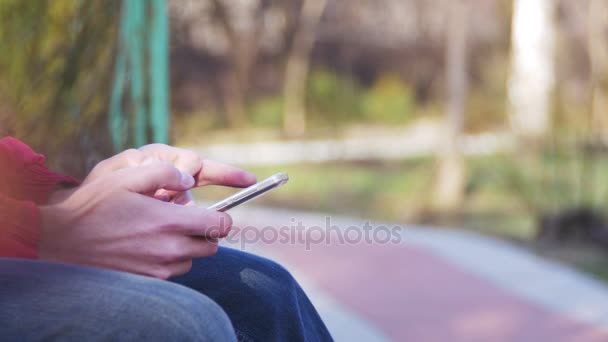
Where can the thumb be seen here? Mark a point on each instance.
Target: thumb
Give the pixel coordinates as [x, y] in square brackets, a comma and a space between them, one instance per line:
[151, 177]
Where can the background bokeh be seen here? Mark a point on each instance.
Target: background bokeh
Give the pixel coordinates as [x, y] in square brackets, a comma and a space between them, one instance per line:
[488, 115]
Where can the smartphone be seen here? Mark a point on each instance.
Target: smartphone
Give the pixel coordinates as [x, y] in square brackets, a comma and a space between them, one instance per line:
[251, 192]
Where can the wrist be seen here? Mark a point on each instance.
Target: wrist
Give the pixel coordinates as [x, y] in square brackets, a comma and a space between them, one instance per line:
[53, 217]
[60, 195]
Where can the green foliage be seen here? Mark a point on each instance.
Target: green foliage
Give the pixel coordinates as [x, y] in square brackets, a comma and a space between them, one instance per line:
[505, 193]
[332, 99]
[267, 111]
[347, 188]
[190, 128]
[53, 70]
[397, 191]
[540, 182]
[487, 100]
[570, 177]
[389, 100]
[484, 112]
[335, 99]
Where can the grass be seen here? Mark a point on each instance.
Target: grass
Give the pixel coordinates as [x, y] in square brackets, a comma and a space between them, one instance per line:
[495, 202]
[393, 191]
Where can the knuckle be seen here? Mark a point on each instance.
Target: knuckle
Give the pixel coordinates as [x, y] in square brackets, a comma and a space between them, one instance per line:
[101, 165]
[152, 146]
[132, 156]
[171, 252]
[219, 226]
[97, 170]
[189, 161]
[166, 170]
[166, 258]
[210, 248]
[166, 226]
[191, 157]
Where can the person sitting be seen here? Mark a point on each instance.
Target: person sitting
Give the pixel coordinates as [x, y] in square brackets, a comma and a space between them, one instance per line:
[126, 255]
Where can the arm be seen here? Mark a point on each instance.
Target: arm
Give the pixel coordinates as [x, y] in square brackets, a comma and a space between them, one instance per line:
[19, 228]
[94, 223]
[25, 181]
[111, 221]
[24, 175]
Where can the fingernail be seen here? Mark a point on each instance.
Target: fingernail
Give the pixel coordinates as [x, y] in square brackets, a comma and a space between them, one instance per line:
[250, 177]
[187, 180]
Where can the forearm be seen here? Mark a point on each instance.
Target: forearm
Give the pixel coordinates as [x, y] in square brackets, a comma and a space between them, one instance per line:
[25, 183]
[59, 195]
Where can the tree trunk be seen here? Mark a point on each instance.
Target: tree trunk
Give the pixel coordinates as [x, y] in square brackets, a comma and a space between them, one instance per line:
[243, 54]
[591, 180]
[298, 64]
[598, 55]
[450, 182]
[532, 78]
[233, 99]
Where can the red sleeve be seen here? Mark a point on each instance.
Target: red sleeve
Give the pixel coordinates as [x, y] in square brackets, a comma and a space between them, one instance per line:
[23, 174]
[25, 181]
[19, 228]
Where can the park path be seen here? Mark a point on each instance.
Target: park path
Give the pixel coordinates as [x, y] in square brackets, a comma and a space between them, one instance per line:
[427, 284]
[417, 140]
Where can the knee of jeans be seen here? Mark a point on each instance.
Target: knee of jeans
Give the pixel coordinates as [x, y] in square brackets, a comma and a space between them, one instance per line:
[268, 279]
[169, 311]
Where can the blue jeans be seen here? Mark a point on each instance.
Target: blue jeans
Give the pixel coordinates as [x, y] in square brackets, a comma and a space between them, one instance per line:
[231, 294]
[262, 299]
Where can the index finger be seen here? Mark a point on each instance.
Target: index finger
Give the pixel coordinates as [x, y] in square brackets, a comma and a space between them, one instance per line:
[183, 159]
[216, 173]
[205, 171]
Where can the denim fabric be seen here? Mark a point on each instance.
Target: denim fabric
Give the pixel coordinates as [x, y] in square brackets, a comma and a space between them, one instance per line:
[262, 299]
[48, 301]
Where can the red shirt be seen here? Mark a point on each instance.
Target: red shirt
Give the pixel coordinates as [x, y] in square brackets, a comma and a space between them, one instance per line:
[25, 183]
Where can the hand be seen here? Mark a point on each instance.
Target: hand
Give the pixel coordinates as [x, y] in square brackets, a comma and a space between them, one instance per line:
[205, 171]
[111, 221]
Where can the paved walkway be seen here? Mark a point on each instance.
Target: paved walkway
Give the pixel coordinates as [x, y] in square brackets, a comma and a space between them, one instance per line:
[426, 285]
[418, 140]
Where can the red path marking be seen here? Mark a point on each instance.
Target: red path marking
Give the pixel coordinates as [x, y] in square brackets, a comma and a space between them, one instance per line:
[411, 294]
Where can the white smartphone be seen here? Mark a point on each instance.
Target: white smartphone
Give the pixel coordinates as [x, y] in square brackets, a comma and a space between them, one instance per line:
[251, 192]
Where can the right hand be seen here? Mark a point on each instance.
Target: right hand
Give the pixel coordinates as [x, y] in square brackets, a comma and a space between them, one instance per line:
[205, 171]
[112, 222]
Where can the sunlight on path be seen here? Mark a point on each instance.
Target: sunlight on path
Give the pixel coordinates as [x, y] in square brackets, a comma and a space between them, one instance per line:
[433, 285]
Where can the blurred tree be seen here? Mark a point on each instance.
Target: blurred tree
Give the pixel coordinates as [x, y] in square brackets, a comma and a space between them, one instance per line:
[53, 76]
[298, 64]
[563, 181]
[598, 55]
[242, 24]
[532, 78]
[450, 182]
[591, 180]
[357, 40]
[389, 100]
